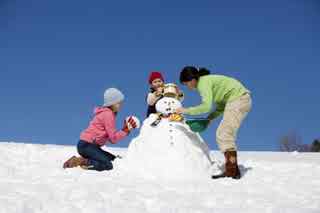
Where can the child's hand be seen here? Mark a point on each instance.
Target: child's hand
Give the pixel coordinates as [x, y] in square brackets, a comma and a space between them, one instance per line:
[159, 91]
[129, 124]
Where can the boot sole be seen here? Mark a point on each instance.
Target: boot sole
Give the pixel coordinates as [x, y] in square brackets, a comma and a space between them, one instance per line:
[224, 176]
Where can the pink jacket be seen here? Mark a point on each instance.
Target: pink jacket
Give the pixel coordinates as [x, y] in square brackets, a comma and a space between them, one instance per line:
[102, 128]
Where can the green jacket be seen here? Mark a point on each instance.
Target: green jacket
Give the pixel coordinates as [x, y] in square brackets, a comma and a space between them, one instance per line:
[218, 89]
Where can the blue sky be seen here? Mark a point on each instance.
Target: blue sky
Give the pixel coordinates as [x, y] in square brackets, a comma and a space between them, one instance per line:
[58, 57]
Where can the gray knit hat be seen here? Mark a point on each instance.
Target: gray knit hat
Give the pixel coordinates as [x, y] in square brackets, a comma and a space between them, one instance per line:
[112, 96]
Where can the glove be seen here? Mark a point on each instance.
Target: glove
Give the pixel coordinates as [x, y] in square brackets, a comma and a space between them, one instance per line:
[129, 125]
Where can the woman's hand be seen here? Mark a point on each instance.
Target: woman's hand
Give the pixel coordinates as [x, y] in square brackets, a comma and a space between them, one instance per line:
[181, 110]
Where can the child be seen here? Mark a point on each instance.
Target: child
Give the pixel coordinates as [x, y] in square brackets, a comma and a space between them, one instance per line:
[100, 131]
[156, 82]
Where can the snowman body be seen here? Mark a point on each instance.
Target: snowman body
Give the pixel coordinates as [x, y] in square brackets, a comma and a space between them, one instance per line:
[169, 149]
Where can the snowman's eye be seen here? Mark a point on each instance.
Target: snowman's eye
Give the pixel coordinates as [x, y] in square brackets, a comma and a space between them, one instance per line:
[165, 102]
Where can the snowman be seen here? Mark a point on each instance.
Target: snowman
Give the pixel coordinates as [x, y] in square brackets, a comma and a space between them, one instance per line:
[167, 148]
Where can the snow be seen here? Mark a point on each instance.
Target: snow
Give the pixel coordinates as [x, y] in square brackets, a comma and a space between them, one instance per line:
[32, 181]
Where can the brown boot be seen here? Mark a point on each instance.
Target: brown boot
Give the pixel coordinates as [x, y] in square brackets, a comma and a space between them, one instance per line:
[231, 166]
[232, 169]
[75, 161]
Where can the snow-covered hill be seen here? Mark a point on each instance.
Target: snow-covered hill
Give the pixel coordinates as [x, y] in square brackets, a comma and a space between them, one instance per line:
[32, 181]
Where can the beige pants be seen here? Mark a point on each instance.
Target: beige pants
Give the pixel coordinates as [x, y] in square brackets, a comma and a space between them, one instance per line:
[235, 112]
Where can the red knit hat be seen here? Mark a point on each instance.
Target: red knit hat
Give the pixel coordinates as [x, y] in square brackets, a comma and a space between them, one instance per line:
[155, 75]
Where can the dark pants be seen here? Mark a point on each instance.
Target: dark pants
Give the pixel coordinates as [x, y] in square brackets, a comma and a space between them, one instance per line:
[98, 159]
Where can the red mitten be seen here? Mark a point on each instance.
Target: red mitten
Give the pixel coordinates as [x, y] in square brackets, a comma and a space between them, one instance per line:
[125, 127]
[132, 123]
[129, 124]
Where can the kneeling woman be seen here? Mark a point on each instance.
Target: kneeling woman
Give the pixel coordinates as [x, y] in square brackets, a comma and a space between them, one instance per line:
[100, 131]
[233, 101]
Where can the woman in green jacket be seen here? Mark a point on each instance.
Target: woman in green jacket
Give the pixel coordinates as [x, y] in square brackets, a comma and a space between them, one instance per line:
[232, 100]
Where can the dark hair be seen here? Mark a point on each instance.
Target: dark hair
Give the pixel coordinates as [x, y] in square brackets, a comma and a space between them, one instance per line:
[189, 72]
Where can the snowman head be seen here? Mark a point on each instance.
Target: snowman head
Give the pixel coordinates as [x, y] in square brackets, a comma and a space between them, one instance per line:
[167, 105]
